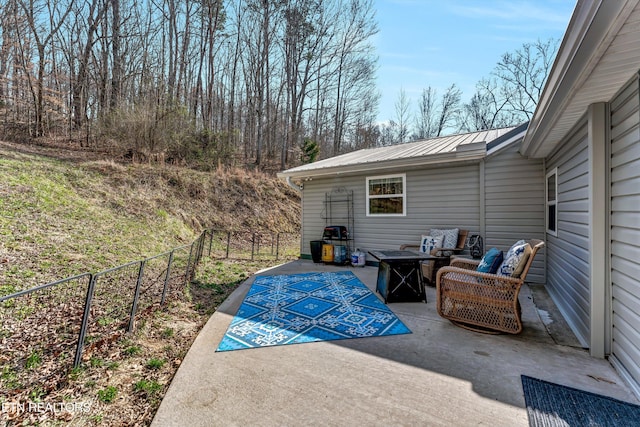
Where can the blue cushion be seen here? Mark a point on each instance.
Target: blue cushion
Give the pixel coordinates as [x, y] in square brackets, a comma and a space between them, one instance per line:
[490, 261]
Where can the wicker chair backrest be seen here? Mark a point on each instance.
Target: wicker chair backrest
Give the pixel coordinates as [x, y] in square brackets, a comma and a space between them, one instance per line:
[536, 245]
[462, 239]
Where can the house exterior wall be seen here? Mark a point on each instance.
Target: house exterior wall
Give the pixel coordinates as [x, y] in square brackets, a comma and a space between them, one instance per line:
[625, 230]
[568, 251]
[514, 204]
[436, 198]
[444, 197]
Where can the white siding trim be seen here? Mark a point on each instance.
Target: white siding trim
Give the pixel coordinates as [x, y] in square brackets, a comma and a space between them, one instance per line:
[568, 280]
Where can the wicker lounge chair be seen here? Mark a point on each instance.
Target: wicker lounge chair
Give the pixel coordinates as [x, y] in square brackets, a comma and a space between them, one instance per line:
[480, 301]
[430, 268]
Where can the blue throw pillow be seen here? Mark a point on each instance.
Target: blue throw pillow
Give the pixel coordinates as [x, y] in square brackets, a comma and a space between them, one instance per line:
[490, 261]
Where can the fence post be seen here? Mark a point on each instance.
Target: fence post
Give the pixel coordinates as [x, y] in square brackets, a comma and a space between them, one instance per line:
[277, 245]
[136, 295]
[228, 242]
[186, 273]
[202, 240]
[85, 320]
[166, 278]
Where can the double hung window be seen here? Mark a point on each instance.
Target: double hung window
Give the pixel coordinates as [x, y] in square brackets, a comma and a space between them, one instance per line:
[386, 195]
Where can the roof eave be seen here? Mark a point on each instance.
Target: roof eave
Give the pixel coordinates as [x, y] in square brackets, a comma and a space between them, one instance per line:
[585, 42]
[466, 155]
[515, 136]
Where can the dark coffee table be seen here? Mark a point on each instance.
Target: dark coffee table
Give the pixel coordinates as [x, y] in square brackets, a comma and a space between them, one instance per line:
[400, 275]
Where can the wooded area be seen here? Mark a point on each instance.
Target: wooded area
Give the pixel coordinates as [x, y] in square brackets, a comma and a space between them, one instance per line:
[218, 80]
[210, 82]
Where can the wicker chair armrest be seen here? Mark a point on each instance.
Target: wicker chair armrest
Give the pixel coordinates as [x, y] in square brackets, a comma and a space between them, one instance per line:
[435, 251]
[454, 250]
[442, 249]
[467, 264]
[461, 274]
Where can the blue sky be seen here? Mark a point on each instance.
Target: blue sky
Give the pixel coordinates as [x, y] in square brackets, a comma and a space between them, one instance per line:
[435, 43]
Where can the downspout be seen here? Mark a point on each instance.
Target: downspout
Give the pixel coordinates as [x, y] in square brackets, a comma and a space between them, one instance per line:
[296, 187]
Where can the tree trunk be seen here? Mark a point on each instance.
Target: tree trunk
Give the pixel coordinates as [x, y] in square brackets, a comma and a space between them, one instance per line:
[116, 73]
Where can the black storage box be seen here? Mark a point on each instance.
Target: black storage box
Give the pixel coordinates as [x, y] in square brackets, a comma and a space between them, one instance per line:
[316, 250]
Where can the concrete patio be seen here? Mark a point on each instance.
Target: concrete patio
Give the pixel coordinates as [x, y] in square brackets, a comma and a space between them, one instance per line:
[440, 375]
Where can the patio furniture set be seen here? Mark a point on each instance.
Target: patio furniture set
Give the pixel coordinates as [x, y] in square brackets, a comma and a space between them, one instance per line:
[476, 294]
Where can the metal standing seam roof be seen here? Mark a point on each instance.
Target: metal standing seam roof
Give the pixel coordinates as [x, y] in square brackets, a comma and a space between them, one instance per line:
[440, 149]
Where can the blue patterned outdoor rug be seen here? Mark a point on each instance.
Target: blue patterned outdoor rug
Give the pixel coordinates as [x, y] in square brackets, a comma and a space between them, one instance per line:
[554, 405]
[309, 307]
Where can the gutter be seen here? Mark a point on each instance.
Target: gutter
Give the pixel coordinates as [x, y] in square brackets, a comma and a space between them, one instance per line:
[291, 184]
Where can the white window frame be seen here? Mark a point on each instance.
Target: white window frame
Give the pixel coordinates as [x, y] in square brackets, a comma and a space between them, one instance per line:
[548, 203]
[388, 196]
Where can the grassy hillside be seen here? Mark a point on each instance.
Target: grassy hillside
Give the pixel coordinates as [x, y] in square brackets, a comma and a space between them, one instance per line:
[59, 218]
[64, 216]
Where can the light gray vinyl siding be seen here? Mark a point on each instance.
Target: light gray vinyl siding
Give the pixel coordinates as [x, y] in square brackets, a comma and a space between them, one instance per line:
[437, 197]
[625, 229]
[568, 252]
[514, 204]
[445, 197]
[313, 210]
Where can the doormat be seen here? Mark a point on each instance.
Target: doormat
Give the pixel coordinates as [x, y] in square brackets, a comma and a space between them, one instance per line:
[308, 307]
[554, 405]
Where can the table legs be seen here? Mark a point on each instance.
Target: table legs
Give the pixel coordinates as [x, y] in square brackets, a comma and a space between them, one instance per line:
[400, 281]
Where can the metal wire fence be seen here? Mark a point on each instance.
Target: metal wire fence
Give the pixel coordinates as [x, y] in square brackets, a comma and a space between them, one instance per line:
[40, 330]
[252, 244]
[49, 329]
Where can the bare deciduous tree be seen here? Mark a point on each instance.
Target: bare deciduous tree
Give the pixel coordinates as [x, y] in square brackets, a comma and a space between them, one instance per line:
[487, 109]
[510, 95]
[522, 75]
[449, 108]
[437, 116]
[43, 19]
[402, 109]
[254, 77]
[353, 60]
[425, 127]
